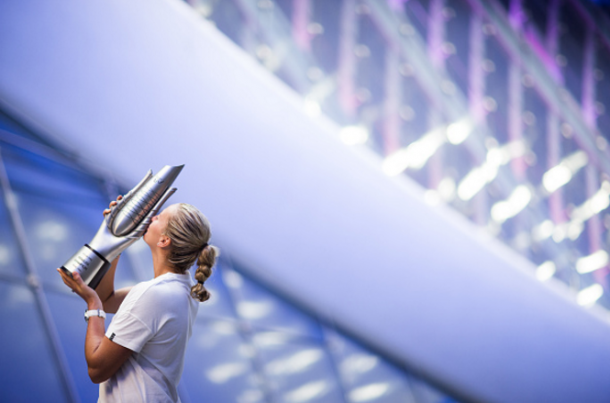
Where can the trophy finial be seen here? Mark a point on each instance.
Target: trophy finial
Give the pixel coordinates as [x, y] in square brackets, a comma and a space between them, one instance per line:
[144, 198]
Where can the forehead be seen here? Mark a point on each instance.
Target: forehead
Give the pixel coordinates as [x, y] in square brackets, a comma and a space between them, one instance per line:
[168, 211]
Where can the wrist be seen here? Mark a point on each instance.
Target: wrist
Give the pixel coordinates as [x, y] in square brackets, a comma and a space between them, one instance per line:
[94, 313]
[94, 302]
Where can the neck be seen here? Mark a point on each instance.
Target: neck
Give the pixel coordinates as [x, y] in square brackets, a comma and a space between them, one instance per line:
[160, 264]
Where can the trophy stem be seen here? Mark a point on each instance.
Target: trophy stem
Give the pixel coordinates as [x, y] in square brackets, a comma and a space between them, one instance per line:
[89, 264]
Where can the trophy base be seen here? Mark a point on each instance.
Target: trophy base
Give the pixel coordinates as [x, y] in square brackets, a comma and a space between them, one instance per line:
[89, 264]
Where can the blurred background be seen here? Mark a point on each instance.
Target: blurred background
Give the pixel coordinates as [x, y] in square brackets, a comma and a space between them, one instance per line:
[410, 196]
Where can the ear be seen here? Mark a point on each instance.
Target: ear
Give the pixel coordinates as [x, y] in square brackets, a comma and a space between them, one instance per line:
[164, 241]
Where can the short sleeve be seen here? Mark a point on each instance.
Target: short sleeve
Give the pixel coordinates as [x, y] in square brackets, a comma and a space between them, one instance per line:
[134, 323]
[129, 331]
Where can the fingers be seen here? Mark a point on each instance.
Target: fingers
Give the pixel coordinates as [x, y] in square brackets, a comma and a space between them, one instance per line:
[61, 273]
[66, 279]
[77, 278]
[112, 204]
[65, 276]
[108, 210]
[76, 284]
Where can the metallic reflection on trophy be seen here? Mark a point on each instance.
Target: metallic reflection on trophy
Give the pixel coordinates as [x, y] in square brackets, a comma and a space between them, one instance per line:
[125, 224]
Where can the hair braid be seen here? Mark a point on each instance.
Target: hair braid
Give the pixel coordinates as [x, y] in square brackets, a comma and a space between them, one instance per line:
[206, 260]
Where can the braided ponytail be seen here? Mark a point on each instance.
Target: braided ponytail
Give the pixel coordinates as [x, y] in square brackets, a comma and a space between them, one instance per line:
[206, 260]
[190, 233]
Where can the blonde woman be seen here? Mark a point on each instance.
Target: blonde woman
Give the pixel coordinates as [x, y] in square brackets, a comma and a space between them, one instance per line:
[141, 356]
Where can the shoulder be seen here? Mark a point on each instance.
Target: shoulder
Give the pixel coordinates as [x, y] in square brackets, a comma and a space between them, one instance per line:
[139, 291]
[142, 294]
[162, 290]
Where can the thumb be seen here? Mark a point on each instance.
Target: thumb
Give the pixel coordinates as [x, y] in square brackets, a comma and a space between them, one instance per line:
[76, 276]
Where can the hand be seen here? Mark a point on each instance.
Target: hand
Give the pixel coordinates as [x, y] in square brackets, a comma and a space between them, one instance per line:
[112, 204]
[77, 285]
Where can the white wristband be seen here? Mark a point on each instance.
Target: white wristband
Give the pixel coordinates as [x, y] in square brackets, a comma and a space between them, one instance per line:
[94, 312]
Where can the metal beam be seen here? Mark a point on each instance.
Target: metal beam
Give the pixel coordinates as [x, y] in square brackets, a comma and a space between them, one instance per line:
[393, 96]
[436, 38]
[553, 137]
[346, 73]
[476, 97]
[515, 95]
[594, 224]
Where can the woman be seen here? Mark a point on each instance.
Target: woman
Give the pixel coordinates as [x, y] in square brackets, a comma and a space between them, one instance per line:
[141, 356]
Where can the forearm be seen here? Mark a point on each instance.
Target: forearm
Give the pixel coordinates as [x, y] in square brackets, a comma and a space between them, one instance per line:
[106, 287]
[94, 336]
[111, 299]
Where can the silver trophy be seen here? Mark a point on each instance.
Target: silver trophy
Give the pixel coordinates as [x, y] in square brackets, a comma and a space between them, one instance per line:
[125, 224]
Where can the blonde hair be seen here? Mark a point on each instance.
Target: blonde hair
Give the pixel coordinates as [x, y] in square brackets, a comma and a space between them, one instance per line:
[189, 231]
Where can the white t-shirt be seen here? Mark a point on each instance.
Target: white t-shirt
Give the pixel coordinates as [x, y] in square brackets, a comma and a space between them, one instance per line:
[155, 321]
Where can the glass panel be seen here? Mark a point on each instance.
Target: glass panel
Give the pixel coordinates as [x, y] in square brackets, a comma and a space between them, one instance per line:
[261, 308]
[67, 310]
[325, 47]
[218, 366]
[366, 376]
[11, 260]
[572, 48]
[457, 14]
[298, 372]
[31, 173]
[27, 358]
[371, 64]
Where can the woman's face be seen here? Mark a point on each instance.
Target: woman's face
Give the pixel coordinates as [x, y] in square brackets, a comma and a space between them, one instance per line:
[155, 230]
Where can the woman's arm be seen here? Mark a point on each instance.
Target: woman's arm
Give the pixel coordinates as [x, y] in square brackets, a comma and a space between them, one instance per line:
[104, 357]
[111, 299]
[114, 301]
[106, 286]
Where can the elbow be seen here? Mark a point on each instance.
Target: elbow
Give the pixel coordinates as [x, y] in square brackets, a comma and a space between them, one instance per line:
[97, 376]
[108, 305]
